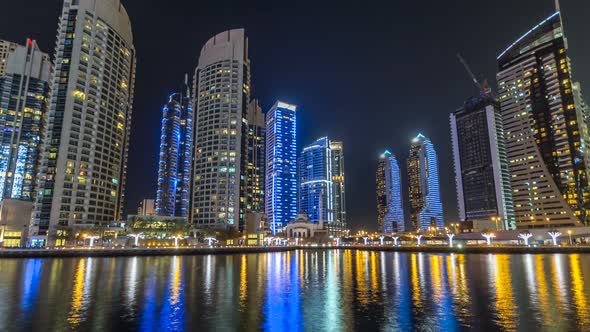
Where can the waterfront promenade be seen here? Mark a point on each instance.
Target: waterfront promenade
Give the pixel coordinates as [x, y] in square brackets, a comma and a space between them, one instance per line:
[229, 250]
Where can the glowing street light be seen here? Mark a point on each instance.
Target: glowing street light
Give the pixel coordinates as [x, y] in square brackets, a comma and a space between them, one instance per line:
[91, 238]
[381, 240]
[450, 236]
[365, 239]
[395, 238]
[136, 238]
[525, 237]
[569, 233]
[176, 238]
[496, 219]
[419, 238]
[554, 235]
[489, 237]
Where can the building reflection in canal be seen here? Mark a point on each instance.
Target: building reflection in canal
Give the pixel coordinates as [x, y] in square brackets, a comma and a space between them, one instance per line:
[329, 290]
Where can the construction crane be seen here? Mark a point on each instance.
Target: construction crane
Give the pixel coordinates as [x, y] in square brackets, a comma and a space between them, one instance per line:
[473, 78]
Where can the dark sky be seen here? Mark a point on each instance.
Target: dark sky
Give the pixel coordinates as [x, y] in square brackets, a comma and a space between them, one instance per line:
[370, 73]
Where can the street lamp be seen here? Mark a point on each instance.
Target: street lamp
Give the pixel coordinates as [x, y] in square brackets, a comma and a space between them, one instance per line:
[569, 233]
[450, 236]
[365, 239]
[381, 240]
[496, 219]
[394, 238]
[419, 238]
[525, 237]
[489, 237]
[176, 238]
[554, 235]
[136, 237]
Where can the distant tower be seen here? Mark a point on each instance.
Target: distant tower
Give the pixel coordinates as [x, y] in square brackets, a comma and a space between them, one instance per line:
[546, 129]
[390, 213]
[176, 151]
[24, 89]
[425, 203]
[281, 166]
[84, 159]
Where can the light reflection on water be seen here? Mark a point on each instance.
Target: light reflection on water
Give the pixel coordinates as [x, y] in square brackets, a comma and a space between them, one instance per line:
[297, 291]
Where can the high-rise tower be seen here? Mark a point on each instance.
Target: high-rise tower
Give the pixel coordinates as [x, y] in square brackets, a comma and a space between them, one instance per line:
[281, 166]
[24, 89]
[321, 179]
[481, 166]
[545, 124]
[222, 93]
[425, 203]
[6, 48]
[176, 151]
[84, 158]
[390, 212]
[256, 158]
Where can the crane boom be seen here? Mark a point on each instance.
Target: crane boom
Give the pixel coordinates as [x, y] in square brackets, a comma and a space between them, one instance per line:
[475, 81]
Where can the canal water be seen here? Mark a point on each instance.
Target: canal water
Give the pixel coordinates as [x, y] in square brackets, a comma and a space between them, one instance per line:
[305, 290]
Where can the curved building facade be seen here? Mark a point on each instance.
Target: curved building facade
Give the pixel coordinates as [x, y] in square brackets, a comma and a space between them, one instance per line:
[222, 94]
[84, 157]
[176, 150]
[390, 212]
[426, 208]
[546, 130]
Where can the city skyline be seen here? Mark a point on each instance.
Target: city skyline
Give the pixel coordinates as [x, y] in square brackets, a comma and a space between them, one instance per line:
[356, 170]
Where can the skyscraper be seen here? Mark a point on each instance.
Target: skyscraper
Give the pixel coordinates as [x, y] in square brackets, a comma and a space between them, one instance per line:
[84, 159]
[176, 151]
[256, 158]
[24, 89]
[281, 165]
[6, 48]
[481, 165]
[545, 124]
[222, 93]
[425, 203]
[321, 177]
[390, 212]
[339, 182]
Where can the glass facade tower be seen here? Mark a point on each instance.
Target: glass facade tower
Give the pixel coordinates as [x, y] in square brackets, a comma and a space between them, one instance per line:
[256, 158]
[84, 158]
[281, 166]
[481, 165]
[390, 212]
[176, 150]
[546, 130]
[425, 203]
[321, 177]
[24, 89]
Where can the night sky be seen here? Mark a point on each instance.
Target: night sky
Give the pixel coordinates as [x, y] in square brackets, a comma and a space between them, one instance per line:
[370, 73]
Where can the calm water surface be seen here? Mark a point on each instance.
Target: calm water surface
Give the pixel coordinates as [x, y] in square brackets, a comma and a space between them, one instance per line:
[338, 290]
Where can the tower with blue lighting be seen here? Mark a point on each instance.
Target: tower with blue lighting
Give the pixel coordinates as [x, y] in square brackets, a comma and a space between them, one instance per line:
[425, 202]
[390, 212]
[321, 178]
[281, 165]
[174, 167]
[24, 89]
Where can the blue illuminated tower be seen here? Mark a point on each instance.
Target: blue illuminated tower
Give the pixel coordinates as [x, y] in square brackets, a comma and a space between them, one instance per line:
[390, 212]
[281, 165]
[24, 89]
[174, 168]
[425, 203]
[321, 177]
